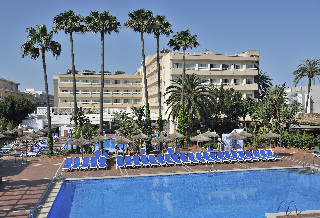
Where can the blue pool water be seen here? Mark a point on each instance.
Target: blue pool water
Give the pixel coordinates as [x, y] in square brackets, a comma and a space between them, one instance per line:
[228, 194]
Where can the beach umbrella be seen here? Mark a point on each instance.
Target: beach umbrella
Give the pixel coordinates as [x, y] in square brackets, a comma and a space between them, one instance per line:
[7, 133]
[122, 140]
[175, 136]
[213, 135]
[100, 138]
[200, 138]
[245, 134]
[2, 136]
[139, 137]
[161, 139]
[236, 136]
[80, 142]
[270, 135]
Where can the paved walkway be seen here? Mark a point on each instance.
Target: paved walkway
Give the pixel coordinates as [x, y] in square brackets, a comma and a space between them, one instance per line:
[24, 183]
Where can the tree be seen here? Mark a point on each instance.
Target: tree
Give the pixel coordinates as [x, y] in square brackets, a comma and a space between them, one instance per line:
[105, 24]
[70, 22]
[309, 69]
[264, 84]
[160, 26]
[141, 21]
[41, 41]
[184, 40]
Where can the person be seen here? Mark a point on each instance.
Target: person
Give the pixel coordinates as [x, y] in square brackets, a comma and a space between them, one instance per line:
[219, 144]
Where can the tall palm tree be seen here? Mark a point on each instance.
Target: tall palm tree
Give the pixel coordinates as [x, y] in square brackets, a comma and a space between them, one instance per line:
[105, 24]
[141, 21]
[264, 83]
[70, 22]
[309, 69]
[160, 26]
[41, 41]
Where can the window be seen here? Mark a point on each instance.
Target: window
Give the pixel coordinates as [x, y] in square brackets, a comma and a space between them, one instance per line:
[236, 82]
[95, 91]
[249, 66]
[202, 66]
[95, 81]
[77, 81]
[64, 100]
[226, 81]
[190, 67]
[127, 82]
[237, 67]
[225, 67]
[126, 91]
[137, 82]
[86, 81]
[117, 91]
[85, 101]
[95, 101]
[85, 91]
[249, 95]
[214, 66]
[12, 89]
[177, 65]
[64, 90]
[214, 81]
[7, 88]
[116, 101]
[249, 81]
[126, 101]
[107, 91]
[107, 82]
[64, 80]
[136, 101]
[107, 101]
[137, 91]
[77, 91]
[117, 82]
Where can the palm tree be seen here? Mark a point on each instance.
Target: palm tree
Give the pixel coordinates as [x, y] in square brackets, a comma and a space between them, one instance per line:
[70, 22]
[264, 83]
[310, 69]
[160, 26]
[104, 23]
[41, 41]
[141, 21]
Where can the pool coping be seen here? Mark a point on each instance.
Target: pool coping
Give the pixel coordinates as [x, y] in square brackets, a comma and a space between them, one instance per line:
[52, 196]
[306, 212]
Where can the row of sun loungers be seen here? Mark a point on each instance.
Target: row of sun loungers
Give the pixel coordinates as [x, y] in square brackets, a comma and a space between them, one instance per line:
[197, 158]
[85, 163]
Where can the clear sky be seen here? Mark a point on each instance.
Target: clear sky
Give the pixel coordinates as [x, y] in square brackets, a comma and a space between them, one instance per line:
[285, 32]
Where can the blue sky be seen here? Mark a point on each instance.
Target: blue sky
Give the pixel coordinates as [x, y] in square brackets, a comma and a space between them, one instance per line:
[285, 32]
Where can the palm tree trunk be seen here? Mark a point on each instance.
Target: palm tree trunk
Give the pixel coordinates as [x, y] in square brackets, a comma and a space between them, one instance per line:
[307, 101]
[101, 89]
[183, 74]
[46, 87]
[158, 65]
[74, 81]
[144, 71]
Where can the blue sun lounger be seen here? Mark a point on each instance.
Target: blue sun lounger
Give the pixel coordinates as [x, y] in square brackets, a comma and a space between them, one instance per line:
[214, 157]
[76, 163]
[167, 159]
[192, 158]
[127, 160]
[228, 156]
[102, 162]
[67, 164]
[170, 150]
[152, 160]
[85, 163]
[94, 163]
[235, 155]
[184, 159]
[263, 154]
[106, 154]
[270, 153]
[136, 161]
[97, 153]
[208, 159]
[120, 162]
[248, 154]
[222, 158]
[257, 155]
[144, 160]
[241, 154]
[160, 159]
[198, 156]
[176, 159]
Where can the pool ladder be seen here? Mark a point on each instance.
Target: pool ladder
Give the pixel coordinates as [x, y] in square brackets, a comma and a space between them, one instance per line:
[287, 209]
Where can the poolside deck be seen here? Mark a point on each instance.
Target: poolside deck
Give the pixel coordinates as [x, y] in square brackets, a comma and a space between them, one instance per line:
[24, 183]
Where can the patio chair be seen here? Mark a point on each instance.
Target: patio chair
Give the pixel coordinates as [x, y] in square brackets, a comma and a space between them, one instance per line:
[235, 155]
[144, 160]
[67, 164]
[167, 159]
[105, 153]
[32, 154]
[177, 150]
[127, 160]
[119, 162]
[143, 150]
[152, 160]
[170, 150]
[198, 156]
[270, 153]
[184, 159]
[136, 161]
[97, 153]
[160, 160]
[248, 154]
[263, 154]
[176, 159]
[256, 154]
[214, 157]
[76, 163]
[316, 154]
[241, 154]
[208, 159]
[192, 158]
[102, 162]
[94, 163]
[222, 158]
[228, 156]
[85, 163]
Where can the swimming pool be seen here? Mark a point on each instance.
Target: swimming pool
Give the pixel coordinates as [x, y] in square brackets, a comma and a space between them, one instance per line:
[226, 194]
